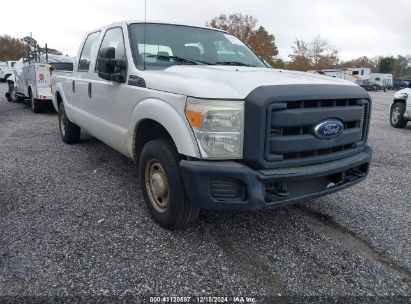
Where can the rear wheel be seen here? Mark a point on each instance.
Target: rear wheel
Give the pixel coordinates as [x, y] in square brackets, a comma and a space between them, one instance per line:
[13, 97]
[163, 187]
[70, 132]
[397, 118]
[35, 105]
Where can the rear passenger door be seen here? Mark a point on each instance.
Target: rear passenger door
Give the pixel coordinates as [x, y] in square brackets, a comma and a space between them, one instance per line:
[79, 85]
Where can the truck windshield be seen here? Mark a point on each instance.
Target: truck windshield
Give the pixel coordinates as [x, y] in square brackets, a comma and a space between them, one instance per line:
[163, 45]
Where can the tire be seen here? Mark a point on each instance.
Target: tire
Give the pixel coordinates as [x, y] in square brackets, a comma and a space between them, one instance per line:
[162, 185]
[397, 118]
[69, 132]
[13, 97]
[36, 105]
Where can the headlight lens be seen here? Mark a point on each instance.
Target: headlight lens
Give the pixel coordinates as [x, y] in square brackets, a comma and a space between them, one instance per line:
[218, 126]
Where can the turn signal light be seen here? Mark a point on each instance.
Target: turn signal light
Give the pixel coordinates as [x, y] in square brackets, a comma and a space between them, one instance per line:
[194, 118]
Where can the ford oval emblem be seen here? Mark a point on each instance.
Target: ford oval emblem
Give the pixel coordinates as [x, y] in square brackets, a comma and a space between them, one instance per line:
[328, 129]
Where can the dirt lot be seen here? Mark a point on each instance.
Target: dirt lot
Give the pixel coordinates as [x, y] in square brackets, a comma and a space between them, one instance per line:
[73, 223]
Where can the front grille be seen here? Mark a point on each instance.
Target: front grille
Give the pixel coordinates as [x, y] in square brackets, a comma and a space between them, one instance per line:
[290, 128]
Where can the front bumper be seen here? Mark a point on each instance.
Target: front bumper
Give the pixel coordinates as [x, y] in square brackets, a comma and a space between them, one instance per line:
[228, 185]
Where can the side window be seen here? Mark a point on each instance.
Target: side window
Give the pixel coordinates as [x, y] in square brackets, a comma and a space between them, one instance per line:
[114, 38]
[88, 48]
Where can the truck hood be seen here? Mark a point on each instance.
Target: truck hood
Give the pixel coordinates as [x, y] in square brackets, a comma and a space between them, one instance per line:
[228, 81]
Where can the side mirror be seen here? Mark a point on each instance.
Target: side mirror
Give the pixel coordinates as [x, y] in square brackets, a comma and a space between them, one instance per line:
[110, 68]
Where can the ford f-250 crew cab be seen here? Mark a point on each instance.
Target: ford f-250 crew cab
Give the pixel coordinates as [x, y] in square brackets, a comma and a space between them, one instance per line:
[210, 125]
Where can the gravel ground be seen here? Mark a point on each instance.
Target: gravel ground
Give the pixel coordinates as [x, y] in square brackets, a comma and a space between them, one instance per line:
[73, 224]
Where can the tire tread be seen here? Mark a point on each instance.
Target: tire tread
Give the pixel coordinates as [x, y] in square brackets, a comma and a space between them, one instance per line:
[187, 212]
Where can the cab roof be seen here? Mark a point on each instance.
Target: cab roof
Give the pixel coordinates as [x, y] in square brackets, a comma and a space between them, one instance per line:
[131, 21]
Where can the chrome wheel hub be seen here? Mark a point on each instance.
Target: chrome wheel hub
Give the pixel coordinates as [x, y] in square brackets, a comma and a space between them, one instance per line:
[395, 116]
[13, 95]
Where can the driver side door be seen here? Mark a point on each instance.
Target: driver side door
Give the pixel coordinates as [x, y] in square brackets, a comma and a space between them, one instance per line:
[111, 101]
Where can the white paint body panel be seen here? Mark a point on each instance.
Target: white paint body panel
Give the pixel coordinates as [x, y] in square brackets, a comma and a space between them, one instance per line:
[399, 95]
[37, 77]
[114, 111]
[6, 68]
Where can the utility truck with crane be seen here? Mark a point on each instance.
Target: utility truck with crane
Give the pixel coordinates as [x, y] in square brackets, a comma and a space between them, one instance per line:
[30, 78]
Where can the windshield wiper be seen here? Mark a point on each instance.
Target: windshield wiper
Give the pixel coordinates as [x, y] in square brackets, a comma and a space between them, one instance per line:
[181, 59]
[233, 63]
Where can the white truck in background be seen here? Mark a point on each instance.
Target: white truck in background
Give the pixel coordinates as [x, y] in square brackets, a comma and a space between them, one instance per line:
[31, 79]
[6, 69]
[382, 81]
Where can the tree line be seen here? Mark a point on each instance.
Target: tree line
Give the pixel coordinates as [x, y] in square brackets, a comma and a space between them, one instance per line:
[14, 48]
[316, 54]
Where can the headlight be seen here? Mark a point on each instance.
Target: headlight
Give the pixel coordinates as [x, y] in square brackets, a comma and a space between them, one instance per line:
[218, 126]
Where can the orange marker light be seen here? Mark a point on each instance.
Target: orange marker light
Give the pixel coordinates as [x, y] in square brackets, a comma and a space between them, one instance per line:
[194, 118]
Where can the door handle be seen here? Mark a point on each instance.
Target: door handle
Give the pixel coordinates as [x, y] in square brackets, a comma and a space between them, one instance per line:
[73, 86]
[89, 89]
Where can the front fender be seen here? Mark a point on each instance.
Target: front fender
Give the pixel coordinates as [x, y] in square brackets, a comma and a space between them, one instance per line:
[12, 78]
[402, 93]
[57, 88]
[174, 122]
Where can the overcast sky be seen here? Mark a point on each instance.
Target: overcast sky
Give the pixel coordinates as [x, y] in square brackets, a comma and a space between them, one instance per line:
[353, 27]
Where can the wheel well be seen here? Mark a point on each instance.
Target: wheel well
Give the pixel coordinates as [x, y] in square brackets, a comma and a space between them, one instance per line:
[397, 100]
[147, 130]
[59, 99]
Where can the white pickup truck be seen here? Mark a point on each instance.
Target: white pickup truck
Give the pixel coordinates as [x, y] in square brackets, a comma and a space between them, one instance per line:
[400, 112]
[210, 125]
[6, 69]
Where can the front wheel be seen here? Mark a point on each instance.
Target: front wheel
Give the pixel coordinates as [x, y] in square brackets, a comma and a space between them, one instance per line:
[397, 118]
[163, 187]
[70, 132]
